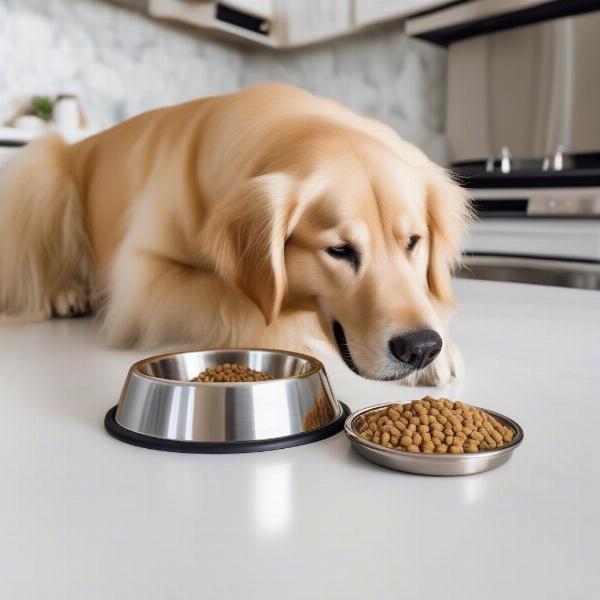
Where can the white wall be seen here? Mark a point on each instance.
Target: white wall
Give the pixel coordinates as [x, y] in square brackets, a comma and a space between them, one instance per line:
[121, 63]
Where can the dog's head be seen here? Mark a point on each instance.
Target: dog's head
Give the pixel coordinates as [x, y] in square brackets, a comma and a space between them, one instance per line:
[368, 241]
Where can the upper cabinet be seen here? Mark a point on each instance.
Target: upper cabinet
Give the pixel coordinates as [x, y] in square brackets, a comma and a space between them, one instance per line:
[367, 12]
[283, 23]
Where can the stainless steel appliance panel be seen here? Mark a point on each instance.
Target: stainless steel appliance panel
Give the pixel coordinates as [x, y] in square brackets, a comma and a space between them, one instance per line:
[531, 89]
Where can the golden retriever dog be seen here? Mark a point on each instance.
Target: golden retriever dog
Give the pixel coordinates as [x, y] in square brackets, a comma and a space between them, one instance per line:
[267, 217]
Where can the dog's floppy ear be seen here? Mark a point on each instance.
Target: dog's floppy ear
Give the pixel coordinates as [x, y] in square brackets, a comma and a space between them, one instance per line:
[246, 238]
[448, 211]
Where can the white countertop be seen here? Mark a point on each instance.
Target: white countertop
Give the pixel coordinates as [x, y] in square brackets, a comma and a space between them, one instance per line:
[85, 516]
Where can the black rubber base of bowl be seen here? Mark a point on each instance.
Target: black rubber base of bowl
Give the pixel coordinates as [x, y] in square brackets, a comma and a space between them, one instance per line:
[146, 441]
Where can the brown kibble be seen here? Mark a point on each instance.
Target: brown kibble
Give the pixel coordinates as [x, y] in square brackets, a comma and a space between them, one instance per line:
[497, 436]
[489, 441]
[405, 441]
[227, 373]
[393, 414]
[494, 422]
[426, 426]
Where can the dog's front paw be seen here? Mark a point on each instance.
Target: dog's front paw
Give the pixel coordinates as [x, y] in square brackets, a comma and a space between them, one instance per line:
[71, 302]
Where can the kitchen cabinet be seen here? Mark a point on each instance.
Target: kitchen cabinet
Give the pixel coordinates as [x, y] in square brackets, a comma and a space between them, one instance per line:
[282, 23]
[372, 11]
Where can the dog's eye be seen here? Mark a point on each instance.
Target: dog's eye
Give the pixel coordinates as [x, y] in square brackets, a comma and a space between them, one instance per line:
[413, 240]
[345, 252]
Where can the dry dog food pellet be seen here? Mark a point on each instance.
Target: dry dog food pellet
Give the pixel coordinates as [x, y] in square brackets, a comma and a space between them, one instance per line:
[231, 372]
[429, 425]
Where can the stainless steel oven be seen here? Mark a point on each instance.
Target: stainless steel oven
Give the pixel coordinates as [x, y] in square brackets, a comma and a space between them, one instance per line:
[523, 127]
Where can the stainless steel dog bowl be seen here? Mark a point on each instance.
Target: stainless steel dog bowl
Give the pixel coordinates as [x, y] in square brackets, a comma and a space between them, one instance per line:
[161, 408]
[432, 464]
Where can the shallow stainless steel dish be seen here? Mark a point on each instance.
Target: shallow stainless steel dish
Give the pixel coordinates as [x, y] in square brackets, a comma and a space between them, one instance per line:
[161, 408]
[432, 464]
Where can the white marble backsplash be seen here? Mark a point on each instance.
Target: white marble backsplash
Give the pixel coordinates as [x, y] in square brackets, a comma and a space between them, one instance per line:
[121, 63]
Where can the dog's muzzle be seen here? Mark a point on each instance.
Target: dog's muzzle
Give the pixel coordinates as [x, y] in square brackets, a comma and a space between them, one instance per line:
[411, 352]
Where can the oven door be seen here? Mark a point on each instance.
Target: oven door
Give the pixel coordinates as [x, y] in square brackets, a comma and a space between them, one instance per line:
[561, 252]
[524, 269]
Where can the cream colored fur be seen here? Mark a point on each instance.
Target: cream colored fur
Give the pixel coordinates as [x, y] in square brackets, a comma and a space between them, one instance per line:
[44, 257]
[206, 224]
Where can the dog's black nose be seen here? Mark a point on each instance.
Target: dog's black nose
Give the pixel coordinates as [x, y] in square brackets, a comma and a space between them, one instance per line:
[417, 348]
